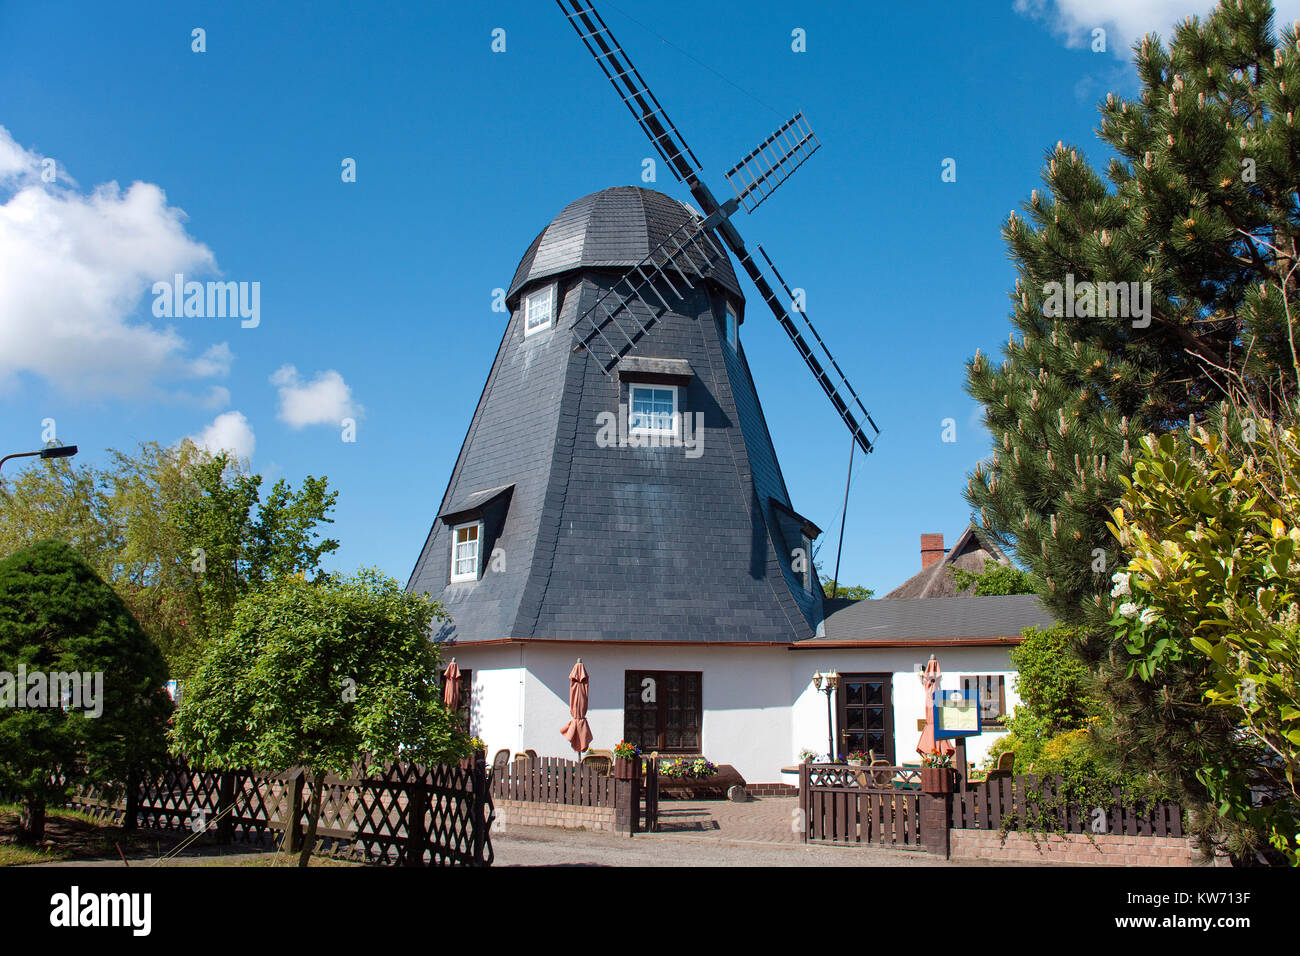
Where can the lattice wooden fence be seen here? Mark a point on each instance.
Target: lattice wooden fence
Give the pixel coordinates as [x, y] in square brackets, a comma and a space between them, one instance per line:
[399, 813]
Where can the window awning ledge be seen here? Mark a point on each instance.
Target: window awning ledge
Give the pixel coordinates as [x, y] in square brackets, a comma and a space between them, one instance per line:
[642, 368]
[473, 505]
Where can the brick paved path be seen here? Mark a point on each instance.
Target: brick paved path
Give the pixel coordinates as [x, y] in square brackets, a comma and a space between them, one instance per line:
[760, 820]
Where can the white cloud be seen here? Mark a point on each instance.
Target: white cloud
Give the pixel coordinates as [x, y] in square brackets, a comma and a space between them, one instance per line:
[229, 431]
[73, 268]
[1126, 21]
[325, 400]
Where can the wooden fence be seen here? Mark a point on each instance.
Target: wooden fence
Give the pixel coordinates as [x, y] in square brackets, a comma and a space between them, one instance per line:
[553, 780]
[399, 814]
[843, 804]
[1028, 800]
[556, 780]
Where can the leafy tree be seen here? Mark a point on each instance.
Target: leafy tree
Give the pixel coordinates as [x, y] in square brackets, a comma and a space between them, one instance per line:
[57, 616]
[180, 534]
[321, 673]
[1213, 527]
[994, 579]
[1199, 202]
[853, 591]
[1050, 681]
[239, 543]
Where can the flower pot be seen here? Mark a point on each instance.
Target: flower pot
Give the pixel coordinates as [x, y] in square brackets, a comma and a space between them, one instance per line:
[938, 779]
[857, 763]
[624, 769]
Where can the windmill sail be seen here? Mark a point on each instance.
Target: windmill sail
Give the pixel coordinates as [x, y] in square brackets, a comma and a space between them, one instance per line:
[612, 321]
[833, 381]
[632, 90]
[772, 162]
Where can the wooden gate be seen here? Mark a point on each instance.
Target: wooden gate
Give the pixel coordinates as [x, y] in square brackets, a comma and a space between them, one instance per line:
[858, 805]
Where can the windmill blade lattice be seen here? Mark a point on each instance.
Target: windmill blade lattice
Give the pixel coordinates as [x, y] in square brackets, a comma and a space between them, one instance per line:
[612, 322]
[833, 381]
[772, 162]
[632, 90]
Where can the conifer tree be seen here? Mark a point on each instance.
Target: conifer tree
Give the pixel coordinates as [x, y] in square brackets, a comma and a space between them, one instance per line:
[1139, 297]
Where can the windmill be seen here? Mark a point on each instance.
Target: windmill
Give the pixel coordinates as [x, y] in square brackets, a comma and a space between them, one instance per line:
[610, 328]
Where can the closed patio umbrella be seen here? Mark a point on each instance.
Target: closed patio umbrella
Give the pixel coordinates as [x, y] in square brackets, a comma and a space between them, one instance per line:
[577, 732]
[930, 681]
[451, 687]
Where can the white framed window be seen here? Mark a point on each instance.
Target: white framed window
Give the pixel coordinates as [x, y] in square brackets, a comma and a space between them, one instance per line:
[464, 551]
[538, 308]
[733, 326]
[652, 410]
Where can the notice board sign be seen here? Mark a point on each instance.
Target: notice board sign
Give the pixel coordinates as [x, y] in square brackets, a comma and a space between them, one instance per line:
[956, 714]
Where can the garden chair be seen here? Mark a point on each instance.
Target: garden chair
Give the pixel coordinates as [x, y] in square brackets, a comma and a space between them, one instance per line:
[1005, 767]
[501, 762]
[599, 763]
[881, 778]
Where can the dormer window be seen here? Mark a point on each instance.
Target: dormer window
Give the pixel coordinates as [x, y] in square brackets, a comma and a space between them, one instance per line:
[733, 326]
[538, 308]
[652, 410]
[464, 551]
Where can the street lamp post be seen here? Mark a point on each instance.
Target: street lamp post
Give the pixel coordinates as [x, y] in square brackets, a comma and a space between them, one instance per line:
[826, 683]
[54, 451]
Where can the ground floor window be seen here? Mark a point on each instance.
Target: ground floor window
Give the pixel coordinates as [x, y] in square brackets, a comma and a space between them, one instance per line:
[992, 692]
[663, 710]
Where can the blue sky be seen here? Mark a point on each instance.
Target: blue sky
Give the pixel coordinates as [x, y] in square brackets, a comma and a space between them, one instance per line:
[376, 295]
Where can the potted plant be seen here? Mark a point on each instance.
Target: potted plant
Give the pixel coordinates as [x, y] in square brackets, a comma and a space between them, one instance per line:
[625, 755]
[937, 774]
[859, 758]
[476, 746]
[808, 756]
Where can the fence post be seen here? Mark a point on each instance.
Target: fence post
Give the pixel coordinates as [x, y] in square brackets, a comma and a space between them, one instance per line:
[293, 835]
[805, 799]
[226, 807]
[131, 810]
[627, 801]
[936, 817]
[481, 800]
[417, 802]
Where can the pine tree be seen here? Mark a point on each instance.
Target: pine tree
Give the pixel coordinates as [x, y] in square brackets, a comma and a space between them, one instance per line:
[1199, 206]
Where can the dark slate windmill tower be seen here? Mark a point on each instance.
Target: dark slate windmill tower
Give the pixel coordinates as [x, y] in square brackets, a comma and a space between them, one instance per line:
[618, 483]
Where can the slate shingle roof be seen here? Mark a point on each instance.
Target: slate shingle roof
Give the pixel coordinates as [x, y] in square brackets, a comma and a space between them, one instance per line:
[886, 620]
[615, 227]
[620, 543]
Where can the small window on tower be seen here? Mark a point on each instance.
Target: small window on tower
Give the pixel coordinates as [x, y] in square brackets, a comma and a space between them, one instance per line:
[653, 410]
[733, 326]
[464, 551]
[538, 307]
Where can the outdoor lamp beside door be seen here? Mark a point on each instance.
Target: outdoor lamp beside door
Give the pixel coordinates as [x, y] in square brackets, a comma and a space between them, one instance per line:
[826, 683]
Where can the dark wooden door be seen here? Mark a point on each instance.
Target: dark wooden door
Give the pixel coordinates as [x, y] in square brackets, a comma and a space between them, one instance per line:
[866, 715]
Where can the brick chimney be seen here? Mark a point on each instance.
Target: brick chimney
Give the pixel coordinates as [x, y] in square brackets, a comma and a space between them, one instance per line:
[931, 549]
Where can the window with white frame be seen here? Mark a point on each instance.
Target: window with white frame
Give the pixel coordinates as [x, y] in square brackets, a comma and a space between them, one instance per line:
[733, 326]
[652, 410]
[538, 307]
[464, 551]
